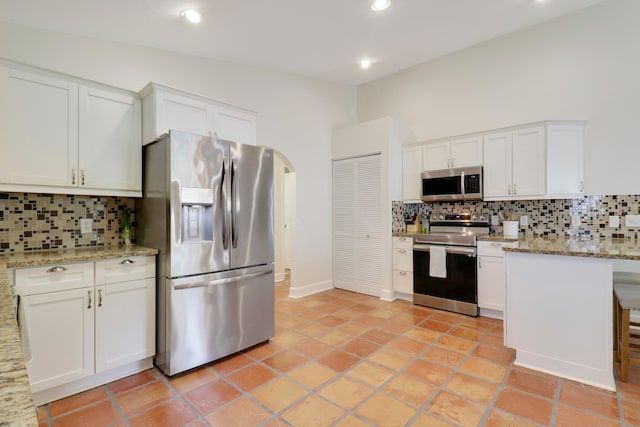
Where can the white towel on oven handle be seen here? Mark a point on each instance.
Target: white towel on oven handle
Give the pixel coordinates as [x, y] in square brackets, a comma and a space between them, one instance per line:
[438, 261]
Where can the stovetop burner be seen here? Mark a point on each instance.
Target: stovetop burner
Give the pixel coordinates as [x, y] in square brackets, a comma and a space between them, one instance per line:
[458, 229]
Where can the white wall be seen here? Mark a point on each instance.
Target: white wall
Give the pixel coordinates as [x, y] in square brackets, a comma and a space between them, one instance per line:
[296, 114]
[582, 66]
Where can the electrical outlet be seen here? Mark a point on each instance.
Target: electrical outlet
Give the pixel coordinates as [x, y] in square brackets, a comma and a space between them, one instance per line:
[86, 225]
[575, 221]
[614, 221]
[632, 221]
[524, 220]
[495, 220]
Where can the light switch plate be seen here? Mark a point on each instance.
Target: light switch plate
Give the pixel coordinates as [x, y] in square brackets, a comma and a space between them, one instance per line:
[524, 220]
[575, 221]
[632, 221]
[614, 221]
[86, 225]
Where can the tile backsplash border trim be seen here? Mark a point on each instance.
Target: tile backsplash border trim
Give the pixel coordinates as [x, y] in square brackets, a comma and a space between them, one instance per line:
[547, 217]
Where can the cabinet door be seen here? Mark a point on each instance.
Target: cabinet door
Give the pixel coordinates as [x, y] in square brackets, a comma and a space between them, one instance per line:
[125, 323]
[403, 259]
[38, 129]
[110, 153]
[369, 260]
[529, 170]
[497, 165]
[436, 156]
[491, 282]
[466, 152]
[411, 170]
[403, 281]
[60, 329]
[234, 125]
[181, 112]
[564, 160]
[344, 224]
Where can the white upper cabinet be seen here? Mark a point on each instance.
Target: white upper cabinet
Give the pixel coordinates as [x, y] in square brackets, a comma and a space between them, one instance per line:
[166, 108]
[534, 162]
[63, 135]
[411, 170]
[39, 128]
[110, 153]
[436, 156]
[457, 153]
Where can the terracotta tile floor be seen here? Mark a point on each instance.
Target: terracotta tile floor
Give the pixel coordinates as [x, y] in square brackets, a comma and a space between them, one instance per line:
[344, 359]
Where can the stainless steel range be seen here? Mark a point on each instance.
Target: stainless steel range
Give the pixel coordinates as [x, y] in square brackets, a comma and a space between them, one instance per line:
[444, 262]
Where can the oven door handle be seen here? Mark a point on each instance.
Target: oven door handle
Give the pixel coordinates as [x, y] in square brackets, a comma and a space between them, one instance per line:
[449, 249]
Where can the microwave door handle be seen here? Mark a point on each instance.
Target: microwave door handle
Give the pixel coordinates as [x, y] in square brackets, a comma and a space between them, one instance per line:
[463, 190]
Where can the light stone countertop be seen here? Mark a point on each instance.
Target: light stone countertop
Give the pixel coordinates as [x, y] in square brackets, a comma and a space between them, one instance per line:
[16, 404]
[402, 234]
[594, 248]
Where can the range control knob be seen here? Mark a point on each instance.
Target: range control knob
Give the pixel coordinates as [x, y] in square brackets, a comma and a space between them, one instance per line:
[474, 217]
[441, 217]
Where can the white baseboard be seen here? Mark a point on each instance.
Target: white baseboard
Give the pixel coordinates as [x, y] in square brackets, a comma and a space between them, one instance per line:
[311, 289]
[488, 312]
[387, 295]
[404, 297]
[279, 277]
[64, 390]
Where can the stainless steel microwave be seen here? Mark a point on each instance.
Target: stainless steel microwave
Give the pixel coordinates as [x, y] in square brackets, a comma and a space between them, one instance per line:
[447, 185]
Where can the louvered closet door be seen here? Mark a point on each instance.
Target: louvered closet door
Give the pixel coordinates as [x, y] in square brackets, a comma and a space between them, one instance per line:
[357, 249]
[344, 224]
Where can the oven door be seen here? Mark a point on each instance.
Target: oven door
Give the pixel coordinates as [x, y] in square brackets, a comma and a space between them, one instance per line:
[458, 291]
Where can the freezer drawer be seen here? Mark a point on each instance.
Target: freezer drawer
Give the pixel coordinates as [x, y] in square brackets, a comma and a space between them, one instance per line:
[215, 315]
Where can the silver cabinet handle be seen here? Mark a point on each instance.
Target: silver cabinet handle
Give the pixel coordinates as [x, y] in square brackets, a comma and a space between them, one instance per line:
[73, 176]
[581, 186]
[57, 269]
[479, 262]
[514, 190]
[403, 273]
[82, 176]
[402, 251]
[403, 239]
[89, 305]
[453, 163]
[496, 244]
[509, 189]
[99, 297]
[127, 262]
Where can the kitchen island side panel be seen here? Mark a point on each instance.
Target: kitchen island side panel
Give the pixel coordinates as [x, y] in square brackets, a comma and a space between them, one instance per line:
[559, 315]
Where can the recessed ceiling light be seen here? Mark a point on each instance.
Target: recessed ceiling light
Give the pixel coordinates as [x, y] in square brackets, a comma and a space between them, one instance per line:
[365, 63]
[191, 15]
[378, 5]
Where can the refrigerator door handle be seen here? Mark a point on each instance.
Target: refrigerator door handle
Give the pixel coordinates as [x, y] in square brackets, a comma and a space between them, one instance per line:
[223, 281]
[224, 202]
[234, 192]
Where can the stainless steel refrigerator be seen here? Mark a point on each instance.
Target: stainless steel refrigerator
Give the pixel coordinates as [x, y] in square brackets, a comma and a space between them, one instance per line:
[207, 206]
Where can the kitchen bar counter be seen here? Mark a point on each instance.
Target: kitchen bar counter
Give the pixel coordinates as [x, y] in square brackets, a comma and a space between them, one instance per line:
[16, 404]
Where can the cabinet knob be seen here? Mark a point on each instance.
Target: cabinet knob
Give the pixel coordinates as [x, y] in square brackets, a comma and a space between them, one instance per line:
[130, 261]
[57, 269]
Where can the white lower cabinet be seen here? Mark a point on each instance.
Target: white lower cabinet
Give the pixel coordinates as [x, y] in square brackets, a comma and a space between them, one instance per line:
[403, 264]
[491, 278]
[60, 332]
[98, 323]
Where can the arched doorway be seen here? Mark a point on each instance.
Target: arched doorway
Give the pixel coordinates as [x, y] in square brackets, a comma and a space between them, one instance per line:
[284, 206]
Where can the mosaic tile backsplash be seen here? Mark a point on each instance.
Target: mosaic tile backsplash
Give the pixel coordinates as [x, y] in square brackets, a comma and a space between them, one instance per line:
[550, 217]
[31, 222]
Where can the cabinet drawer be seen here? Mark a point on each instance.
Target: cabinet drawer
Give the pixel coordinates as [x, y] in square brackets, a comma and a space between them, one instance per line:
[403, 281]
[125, 269]
[403, 259]
[53, 278]
[494, 248]
[403, 242]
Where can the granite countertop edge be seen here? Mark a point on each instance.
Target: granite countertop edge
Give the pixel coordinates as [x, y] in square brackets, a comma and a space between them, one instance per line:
[16, 406]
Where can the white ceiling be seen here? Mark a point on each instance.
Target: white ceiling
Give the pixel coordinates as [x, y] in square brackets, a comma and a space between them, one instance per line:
[323, 38]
